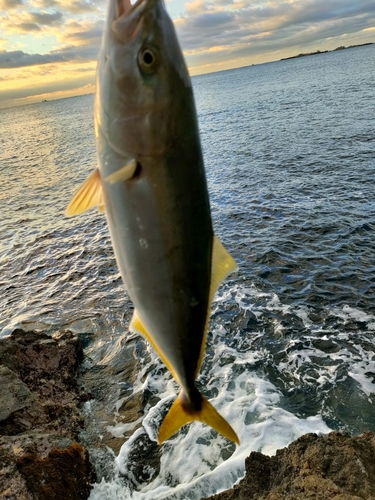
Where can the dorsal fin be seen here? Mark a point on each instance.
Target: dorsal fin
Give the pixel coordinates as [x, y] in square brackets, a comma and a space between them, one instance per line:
[222, 264]
[89, 195]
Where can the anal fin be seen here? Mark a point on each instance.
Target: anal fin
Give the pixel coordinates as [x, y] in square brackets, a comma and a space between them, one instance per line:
[137, 326]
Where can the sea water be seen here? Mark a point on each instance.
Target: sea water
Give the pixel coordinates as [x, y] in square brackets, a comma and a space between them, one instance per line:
[289, 150]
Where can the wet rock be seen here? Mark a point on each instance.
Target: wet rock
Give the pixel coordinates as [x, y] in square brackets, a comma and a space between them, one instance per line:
[45, 368]
[19, 408]
[43, 466]
[111, 383]
[316, 468]
[63, 473]
[119, 402]
[143, 462]
[40, 418]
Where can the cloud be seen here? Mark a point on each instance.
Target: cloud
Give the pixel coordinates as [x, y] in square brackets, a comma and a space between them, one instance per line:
[44, 4]
[46, 19]
[20, 59]
[24, 22]
[195, 7]
[80, 6]
[59, 50]
[35, 90]
[10, 4]
[83, 33]
[79, 36]
[27, 27]
[69, 6]
[243, 26]
[214, 34]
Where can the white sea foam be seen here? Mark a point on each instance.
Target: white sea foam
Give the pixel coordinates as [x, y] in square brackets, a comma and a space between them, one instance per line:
[118, 430]
[360, 367]
[359, 373]
[363, 371]
[197, 462]
[347, 312]
[192, 463]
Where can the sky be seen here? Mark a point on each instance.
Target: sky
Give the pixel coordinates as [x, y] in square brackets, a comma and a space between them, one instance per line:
[48, 48]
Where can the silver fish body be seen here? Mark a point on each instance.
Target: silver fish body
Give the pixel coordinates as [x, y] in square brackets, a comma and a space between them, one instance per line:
[152, 183]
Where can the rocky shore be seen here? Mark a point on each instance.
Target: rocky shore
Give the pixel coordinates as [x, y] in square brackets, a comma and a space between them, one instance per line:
[335, 466]
[342, 47]
[44, 454]
[40, 419]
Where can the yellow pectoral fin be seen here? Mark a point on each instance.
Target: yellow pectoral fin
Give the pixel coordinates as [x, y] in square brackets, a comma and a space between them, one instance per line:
[123, 174]
[89, 195]
[222, 264]
[179, 416]
[136, 325]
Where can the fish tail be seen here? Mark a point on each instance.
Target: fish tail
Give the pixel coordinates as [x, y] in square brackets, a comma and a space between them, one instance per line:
[180, 414]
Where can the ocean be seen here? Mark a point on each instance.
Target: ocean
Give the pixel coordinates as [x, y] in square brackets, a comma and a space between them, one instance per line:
[289, 149]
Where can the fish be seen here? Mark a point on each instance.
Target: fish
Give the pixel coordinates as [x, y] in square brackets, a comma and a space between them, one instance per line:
[151, 183]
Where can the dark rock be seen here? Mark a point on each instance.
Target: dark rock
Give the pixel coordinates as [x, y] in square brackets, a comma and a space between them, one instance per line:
[40, 418]
[318, 468]
[42, 358]
[63, 473]
[12, 482]
[112, 380]
[43, 466]
[47, 367]
[8, 354]
[116, 410]
[19, 408]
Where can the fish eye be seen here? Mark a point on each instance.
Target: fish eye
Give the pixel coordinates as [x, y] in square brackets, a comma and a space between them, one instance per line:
[147, 60]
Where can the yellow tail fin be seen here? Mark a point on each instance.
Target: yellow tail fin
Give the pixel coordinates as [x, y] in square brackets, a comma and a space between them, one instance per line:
[178, 416]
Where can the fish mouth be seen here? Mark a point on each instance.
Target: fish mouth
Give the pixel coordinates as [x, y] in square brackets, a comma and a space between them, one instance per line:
[126, 8]
[127, 17]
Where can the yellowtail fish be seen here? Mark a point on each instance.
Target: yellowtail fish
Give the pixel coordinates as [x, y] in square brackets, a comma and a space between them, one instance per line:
[151, 183]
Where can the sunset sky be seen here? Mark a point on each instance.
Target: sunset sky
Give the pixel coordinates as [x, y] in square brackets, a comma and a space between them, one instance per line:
[48, 48]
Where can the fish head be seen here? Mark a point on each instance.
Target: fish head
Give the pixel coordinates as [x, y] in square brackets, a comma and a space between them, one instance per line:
[142, 79]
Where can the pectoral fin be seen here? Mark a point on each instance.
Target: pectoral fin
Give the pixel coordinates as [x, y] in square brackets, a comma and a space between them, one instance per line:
[179, 416]
[123, 174]
[222, 264]
[89, 195]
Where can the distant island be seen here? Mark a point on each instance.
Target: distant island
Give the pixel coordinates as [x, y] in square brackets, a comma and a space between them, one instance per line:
[342, 47]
